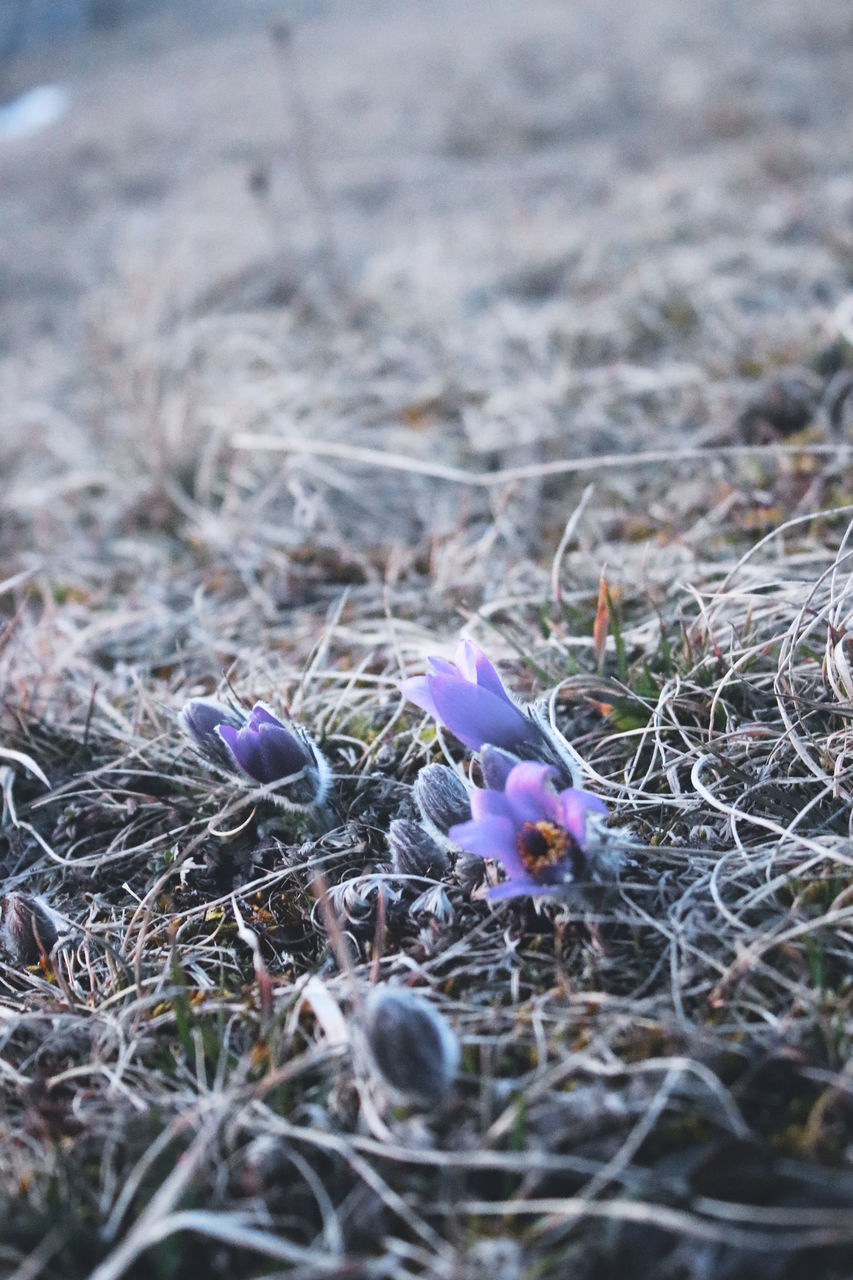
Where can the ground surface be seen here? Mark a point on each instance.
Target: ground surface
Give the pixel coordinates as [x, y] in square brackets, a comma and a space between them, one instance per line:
[315, 325]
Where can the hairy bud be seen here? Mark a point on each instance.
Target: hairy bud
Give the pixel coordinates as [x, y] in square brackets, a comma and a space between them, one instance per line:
[200, 718]
[261, 748]
[29, 928]
[412, 1046]
[442, 797]
[414, 852]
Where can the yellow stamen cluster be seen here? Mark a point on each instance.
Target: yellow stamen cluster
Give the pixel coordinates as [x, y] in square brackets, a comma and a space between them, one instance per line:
[544, 844]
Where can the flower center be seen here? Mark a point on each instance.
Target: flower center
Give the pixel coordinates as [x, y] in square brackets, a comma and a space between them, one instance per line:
[546, 849]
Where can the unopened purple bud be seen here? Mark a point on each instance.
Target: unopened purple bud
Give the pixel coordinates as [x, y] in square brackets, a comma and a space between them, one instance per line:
[414, 852]
[278, 754]
[29, 928]
[412, 1046]
[442, 797]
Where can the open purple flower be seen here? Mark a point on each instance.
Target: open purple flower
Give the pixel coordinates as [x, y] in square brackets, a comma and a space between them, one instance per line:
[537, 833]
[269, 752]
[468, 697]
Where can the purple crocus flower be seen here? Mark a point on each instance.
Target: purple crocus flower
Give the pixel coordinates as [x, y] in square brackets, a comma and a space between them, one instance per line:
[536, 832]
[269, 752]
[468, 697]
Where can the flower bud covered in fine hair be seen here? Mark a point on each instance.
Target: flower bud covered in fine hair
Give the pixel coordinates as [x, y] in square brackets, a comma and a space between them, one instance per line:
[412, 1046]
[414, 852]
[442, 797]
[29, 928]
[277, 754]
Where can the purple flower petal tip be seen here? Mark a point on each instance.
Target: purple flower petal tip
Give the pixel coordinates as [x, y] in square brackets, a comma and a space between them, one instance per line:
[262, 715]
[467, 695]
[416, 690]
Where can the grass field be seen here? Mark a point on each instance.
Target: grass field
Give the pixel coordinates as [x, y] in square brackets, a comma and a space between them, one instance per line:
[325, 340]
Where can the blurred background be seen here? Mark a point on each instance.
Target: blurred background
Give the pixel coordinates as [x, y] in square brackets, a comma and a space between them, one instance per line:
[479, 235]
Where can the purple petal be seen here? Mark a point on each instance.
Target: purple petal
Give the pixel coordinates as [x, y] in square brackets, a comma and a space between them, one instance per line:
[574, 806]
[280, 753]
[416, 689]
[493, 816]
[260, 715]
[465, 661]
[243, 746]
[529, 794]
[443, 667]
[201, 718]
[476, 715]
[516, 887]
[490, 804]
[488, 837]
[496, 765]
[268, 754]
[476, 668]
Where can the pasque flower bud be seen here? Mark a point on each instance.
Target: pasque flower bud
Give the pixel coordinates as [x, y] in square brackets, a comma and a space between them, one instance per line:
[273, 753]
[200, 718]
[442, 797]
[414, 852]
[412, 1046]
[29, 928]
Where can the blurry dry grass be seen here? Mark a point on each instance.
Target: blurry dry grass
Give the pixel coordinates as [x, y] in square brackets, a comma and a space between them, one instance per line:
[297, 495]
